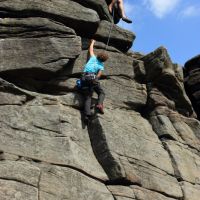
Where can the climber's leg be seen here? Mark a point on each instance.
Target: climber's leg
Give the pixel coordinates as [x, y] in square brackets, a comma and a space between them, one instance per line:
[123, 15]
[87, 103]
[121, 9]
[101, 97]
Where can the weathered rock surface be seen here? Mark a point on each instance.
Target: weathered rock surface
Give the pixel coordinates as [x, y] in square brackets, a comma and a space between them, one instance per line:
[186, 163]
[160, 72]
[61, 183]
[20, 172]
[41, 52]
[145, 163]
[118, 37]
[190, 191]
[135, 192]
[45, 130]
[117, 64]
[33, 26]
[14, 190]
[177, 127]
[100, 6]
[147, 144]
[192, 82]
[69, 12]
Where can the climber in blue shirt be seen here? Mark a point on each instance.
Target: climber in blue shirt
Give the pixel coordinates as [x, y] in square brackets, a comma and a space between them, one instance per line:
[92, 72]
[94, 65]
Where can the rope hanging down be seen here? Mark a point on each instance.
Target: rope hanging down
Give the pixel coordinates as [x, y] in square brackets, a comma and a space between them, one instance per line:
[111, 27]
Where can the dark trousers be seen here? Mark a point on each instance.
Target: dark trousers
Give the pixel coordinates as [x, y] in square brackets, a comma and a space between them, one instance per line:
[88, 96]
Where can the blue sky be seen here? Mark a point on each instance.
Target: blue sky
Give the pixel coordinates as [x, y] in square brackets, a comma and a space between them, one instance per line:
[174, 24]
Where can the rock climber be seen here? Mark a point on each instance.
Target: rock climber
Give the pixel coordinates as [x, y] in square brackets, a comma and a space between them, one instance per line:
[119, 4]
[90, 80]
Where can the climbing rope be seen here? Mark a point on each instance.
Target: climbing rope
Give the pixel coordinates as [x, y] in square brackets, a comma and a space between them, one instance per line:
[111, 27]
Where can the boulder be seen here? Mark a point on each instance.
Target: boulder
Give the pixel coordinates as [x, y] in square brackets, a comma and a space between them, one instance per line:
[192, 82]
[177, 127]
[37, 48]
[119, 38]
[68, 12]
[47, 54]
[33, 27]
[160, 72]
[100, 6]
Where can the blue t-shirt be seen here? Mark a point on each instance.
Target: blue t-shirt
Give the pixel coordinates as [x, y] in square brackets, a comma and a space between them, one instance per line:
[93, 65]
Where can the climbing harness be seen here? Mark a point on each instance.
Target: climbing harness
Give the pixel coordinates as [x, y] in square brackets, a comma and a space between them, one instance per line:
[89, 76]
[87, 81]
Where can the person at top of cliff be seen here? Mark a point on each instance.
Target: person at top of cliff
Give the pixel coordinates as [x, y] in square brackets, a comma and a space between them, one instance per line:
[90, 80]
[119, 4]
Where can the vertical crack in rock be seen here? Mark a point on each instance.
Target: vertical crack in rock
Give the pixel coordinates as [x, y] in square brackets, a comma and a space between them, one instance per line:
[174, 163]
[102, 152]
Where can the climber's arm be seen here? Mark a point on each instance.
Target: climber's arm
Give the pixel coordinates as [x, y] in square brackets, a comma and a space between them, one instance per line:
[91, 48]
[99, 74]
[95, 81]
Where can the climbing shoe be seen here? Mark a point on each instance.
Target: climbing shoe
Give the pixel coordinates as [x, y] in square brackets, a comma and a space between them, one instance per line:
[125, 19]
[99, 108]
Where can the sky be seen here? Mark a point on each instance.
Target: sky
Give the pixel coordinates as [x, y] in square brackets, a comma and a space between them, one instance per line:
[174, 24]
